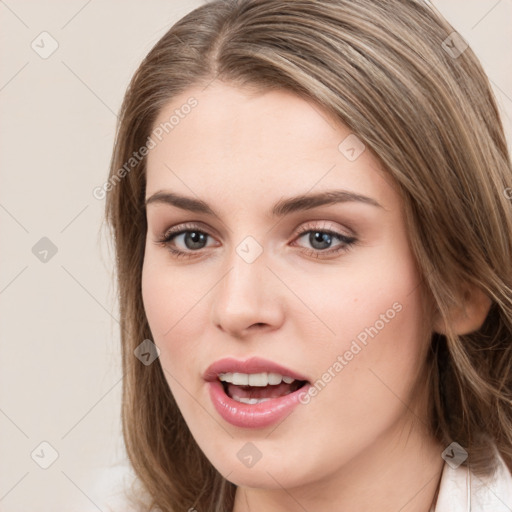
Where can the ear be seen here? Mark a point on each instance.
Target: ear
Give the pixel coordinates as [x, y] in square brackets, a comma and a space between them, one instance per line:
[468, 317]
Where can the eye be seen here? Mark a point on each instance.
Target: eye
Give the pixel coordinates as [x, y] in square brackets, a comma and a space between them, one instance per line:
[193, 240]
[321, 241]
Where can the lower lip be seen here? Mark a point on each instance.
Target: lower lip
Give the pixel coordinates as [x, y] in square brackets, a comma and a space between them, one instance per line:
[259, 415]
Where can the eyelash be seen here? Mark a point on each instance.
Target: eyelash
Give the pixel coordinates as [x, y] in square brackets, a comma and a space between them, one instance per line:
[348, 242]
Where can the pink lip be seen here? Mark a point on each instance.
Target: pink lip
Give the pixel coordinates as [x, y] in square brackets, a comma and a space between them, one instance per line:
[246, 415]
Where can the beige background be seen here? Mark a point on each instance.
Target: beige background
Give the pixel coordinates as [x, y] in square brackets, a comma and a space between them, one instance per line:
[59, 355]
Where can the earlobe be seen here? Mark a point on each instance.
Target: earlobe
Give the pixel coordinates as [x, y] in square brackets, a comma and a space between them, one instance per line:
[468, 317]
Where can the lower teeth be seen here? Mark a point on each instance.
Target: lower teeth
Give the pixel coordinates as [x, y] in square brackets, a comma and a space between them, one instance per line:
[250, 401]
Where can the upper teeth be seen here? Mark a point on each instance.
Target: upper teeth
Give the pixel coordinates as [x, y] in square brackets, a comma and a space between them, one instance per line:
[255, 379]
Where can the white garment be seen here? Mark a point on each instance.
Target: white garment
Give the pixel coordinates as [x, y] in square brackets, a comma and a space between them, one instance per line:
[462, 491]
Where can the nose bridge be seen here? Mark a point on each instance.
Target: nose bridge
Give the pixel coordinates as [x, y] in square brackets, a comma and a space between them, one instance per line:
[242, 298]
[246, 271]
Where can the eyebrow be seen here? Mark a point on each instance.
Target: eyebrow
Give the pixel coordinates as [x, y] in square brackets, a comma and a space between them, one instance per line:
[281, 208]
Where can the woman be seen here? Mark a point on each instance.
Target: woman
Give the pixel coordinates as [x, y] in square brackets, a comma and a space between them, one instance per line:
[314, 236]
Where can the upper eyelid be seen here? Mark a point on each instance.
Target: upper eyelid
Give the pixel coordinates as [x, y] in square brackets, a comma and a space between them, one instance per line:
[188, 226]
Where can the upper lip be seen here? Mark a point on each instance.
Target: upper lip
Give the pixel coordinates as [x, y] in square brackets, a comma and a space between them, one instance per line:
[251, 365]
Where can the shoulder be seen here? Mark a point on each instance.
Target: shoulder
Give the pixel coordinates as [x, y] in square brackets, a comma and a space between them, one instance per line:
[461, 490]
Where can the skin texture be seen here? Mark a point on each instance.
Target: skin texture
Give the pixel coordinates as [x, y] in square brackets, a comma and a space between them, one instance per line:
[361, 443]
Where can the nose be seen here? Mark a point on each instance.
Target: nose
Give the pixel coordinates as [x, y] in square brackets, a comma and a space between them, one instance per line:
[248, 298]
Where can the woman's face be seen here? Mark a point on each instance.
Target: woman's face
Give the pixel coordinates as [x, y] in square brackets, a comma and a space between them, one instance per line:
[320, 291]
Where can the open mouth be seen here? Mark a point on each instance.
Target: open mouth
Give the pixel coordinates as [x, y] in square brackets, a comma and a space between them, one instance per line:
[257, 388]
[255, 392]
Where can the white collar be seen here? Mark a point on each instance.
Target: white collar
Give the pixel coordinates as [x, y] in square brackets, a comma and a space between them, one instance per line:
[463, 491]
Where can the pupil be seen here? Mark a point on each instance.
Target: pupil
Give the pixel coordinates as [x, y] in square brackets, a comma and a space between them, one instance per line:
[318, 236]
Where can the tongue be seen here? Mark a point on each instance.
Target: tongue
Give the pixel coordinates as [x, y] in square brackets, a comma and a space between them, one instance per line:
[259, 391]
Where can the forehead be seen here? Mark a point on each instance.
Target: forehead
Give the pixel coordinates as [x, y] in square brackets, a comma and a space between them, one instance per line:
[264, 143]
[230, 118]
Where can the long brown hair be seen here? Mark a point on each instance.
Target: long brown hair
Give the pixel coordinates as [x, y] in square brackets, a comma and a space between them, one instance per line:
[397, 74]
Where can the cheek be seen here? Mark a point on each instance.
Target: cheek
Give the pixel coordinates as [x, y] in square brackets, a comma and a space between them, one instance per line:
[379, 343]
[366, 371]
[175, 309]
[374, 297]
